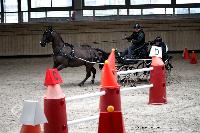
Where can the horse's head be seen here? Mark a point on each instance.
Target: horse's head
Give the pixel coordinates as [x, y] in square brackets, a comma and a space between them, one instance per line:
[47, 37]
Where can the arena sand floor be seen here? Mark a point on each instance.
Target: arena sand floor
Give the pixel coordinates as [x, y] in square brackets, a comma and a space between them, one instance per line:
[22, 79]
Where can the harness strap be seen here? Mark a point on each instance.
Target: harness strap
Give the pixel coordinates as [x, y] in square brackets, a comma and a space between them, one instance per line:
[60, 52]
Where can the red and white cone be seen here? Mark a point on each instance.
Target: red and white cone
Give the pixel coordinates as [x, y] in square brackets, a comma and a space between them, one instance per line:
[157, 94]
[54, 104]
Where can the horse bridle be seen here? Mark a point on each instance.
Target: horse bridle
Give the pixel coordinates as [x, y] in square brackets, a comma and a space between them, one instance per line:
[45, 41]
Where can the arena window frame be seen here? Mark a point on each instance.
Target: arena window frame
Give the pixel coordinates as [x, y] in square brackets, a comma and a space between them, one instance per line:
[122, 8]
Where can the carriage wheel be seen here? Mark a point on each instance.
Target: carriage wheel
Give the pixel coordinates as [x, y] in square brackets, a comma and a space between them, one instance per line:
[143, 75]
[168, 67]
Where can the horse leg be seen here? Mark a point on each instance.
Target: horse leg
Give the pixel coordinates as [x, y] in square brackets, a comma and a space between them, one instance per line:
[93, 72]
[88, 74]
[60, 67]
[55, 65]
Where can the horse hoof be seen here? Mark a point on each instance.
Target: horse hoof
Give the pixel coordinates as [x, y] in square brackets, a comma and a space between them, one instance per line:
[80, 84]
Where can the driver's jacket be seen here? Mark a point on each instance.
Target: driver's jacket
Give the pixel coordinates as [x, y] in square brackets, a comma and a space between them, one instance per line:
[137, 38]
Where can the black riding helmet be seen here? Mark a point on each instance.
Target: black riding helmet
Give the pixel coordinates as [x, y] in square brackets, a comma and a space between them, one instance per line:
[158, 39]
[137, 26]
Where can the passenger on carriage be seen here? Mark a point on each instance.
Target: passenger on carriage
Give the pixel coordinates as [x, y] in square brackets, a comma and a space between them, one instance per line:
[137, 39]
[158, 42]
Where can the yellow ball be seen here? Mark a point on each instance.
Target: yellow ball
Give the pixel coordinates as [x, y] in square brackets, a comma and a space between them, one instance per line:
[110, 108]
[106, 62]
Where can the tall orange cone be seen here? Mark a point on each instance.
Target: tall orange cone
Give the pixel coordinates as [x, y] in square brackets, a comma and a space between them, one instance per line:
[111, 60]
[110, 120]
[54, 104]
[108, 80]
[31, 118]
[157, 93]
[186, 54]
[193, 59]
[112, 88]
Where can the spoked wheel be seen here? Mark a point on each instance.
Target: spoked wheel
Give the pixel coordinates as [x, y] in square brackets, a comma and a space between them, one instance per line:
[127, 79]
[168, 67]
[143, 75]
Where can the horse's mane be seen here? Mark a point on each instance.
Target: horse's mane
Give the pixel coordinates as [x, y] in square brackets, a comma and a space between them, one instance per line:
[59, 36]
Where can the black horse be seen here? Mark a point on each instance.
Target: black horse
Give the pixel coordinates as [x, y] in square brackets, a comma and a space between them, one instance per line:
[67, 55]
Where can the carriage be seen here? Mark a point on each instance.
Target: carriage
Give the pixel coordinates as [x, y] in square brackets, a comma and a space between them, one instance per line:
[140, 59]
[68, 55]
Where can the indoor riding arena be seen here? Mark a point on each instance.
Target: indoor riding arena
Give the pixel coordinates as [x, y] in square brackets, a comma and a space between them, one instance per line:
[72, 38]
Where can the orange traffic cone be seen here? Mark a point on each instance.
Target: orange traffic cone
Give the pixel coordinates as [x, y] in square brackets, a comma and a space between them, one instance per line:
[112, 88]
[111, 121]
[193, 58]
[31, 118]
[108, 80]
[186, 54]
[54, 104]
[111, 60]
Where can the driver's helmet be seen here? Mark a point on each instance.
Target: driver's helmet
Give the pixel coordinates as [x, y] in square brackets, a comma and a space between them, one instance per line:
[158, 39]
[137, 26]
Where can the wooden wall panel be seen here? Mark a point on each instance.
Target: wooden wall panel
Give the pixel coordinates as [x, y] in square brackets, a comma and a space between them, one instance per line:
[23, 39]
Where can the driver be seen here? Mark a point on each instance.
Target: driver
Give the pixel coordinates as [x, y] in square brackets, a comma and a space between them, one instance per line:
[137, 38]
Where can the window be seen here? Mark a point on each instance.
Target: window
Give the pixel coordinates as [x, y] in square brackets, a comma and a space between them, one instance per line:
[61, 3]
[40, 3]
[50, 3]
[10, 6]
[25, 16]
[24, 5]
[105, 12]
[154, 11]
[58, 14]
[38, 15]
[11, 18]
[169, 10]
[142, 2]
[87, 12]
[187, 1]
[194, 10]
[103, 2]
[122, 11]
[134, 11]
[181, 11]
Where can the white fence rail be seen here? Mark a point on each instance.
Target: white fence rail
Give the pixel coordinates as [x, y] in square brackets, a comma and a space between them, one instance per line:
[82, 120]
[136, 88]
[85, 96]
[134, 71]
